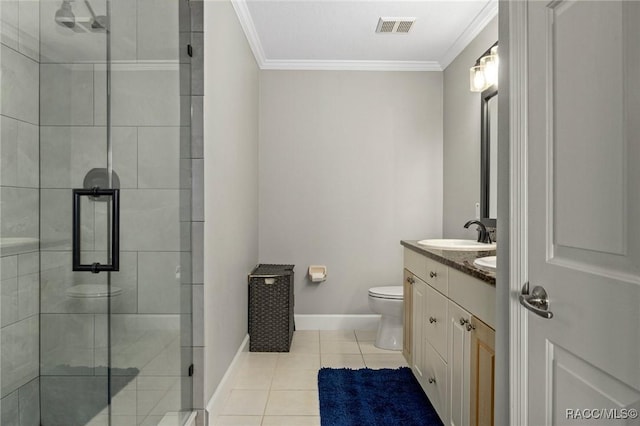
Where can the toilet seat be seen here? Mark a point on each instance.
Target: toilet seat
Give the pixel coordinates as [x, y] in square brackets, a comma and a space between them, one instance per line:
[388, 292]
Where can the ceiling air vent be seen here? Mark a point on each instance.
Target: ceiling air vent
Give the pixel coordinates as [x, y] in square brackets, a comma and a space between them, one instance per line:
[394, 25]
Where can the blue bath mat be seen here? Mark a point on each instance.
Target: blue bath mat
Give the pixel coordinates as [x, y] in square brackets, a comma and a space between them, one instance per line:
[368, 397]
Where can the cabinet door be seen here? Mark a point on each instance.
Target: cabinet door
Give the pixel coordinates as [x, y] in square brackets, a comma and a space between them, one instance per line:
[436, 382]
[419, 300]
[459, 365]
[407, 336]
[482, 373]
[436, 321]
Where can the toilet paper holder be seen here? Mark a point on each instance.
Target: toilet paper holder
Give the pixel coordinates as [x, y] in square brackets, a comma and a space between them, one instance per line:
[317, 273]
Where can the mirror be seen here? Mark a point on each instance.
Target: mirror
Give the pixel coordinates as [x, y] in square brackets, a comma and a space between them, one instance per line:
[489, 156]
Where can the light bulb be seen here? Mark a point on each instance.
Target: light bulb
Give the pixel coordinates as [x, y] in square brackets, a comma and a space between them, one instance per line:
[477, 80]
[490, 64]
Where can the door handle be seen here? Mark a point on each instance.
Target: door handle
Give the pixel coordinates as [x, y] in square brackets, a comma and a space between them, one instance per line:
[537, 302]
[115, 229]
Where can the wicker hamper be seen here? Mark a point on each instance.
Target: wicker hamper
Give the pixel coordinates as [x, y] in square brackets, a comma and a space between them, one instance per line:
[271, 308]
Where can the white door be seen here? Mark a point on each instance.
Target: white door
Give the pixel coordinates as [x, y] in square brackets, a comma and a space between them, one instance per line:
[584, 211]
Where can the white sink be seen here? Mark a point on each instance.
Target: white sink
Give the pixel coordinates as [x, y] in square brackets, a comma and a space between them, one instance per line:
[488, 262]
[463, 245]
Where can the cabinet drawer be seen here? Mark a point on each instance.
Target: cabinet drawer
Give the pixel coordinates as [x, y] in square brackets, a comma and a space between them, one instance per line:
[415, 263]
[435, 384]
[436, 321]
[437, 275]
[474, 295]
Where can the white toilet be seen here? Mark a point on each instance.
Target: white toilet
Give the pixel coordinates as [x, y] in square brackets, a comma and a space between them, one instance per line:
[387, 301]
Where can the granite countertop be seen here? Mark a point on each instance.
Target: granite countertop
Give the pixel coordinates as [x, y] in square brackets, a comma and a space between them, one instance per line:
[460, 260]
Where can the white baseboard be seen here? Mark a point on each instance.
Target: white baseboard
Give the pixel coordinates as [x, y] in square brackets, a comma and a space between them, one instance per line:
[223, 390]
[337, 322]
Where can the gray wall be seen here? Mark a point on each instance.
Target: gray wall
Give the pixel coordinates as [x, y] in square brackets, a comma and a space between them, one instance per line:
[231, 190]
[350, 164]
[19, 183]
[462, 138]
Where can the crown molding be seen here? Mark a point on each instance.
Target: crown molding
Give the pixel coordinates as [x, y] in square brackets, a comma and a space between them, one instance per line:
[249, 28]
[483, 18]
[336, 65]
[246, 22]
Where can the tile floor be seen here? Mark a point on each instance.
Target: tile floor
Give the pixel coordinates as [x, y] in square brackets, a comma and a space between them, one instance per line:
[281, 389]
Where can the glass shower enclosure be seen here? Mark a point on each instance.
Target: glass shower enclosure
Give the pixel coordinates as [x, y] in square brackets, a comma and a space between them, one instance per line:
[95, 184]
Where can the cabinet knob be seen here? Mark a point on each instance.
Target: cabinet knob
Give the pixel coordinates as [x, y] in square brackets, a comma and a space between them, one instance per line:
[431, 380]
[463, 321]
[410, 280]
[433, 274]
[432, 320]
[470, 326]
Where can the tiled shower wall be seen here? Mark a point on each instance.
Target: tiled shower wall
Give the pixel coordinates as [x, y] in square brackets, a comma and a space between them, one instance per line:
[197, 212]
[155, 161]
[150, 115]
[19, 180]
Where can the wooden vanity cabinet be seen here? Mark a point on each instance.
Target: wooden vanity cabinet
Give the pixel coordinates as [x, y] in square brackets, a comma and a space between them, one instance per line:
[407, 294]
[483, 355]
[451, 349]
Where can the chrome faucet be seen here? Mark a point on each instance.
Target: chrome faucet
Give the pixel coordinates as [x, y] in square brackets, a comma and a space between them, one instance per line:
[483, 234]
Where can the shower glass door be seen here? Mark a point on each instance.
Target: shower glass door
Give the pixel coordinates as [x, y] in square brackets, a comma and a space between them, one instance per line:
[115, 346]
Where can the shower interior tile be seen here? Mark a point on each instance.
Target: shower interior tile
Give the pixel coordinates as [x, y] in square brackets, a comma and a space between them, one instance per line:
[150, 220]
[29, 401]
[185, 216]
[68, 153]
[186, 337]
[197, 127]
[10, 409]
[185, 77]
[9, 290]
[19, 81]
[66, 94]
[144, 94]
[28, 295]
[67, 344]
[9, 294]
[185, 141]
[197, 15]
[100, 90]
[125, 155]
[185, 264]
[127, 280]
[197, 251]
[9, 267]
[198, 190]
[197, 68]
[158, 157]
[69, 400]
[29, 34]
[9, 23]
[198, 315]
[137, 340]
[159, 25]
[56, 227]
[20, 157]
[185, 173]
[158, 282]
[19, 347]
[124, 401]
[19, 211]
[124, 32]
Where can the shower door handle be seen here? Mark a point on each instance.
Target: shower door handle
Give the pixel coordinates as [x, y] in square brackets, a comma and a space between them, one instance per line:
[115, 230]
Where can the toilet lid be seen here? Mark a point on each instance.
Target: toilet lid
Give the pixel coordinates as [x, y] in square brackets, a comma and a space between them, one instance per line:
[389, 292]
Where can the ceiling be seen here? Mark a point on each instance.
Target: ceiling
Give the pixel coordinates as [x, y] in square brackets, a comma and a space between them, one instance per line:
[340, 35]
